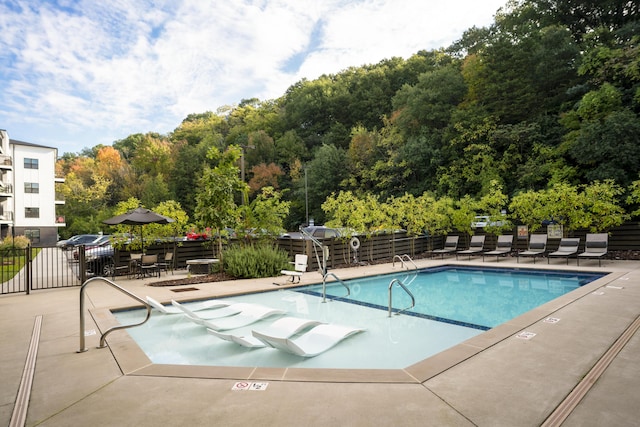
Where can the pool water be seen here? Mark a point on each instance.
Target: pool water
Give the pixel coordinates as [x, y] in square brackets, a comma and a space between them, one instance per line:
[453, 304]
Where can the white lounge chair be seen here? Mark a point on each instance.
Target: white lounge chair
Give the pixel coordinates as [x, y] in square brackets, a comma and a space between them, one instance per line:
[195, 306]
[199, 317]
[249, 313]
[283, 328]
[299, 267]
[310, 344]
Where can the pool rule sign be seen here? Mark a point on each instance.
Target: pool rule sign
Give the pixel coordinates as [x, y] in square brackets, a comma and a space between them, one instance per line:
[244, 385]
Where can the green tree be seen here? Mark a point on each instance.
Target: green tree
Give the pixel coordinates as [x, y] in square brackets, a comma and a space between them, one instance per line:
[218, 187]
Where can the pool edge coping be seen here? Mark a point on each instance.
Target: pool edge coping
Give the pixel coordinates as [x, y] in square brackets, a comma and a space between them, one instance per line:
[133, 361]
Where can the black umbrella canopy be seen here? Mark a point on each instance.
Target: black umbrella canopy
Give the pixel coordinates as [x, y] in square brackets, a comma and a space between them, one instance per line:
[139, 216]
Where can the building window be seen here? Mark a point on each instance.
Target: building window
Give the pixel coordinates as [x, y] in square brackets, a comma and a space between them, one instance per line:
[30, 163]
[33, 235]
[31, 187]
[32, 212]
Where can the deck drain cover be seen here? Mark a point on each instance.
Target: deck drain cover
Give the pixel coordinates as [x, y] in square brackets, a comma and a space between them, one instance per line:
[185, 289]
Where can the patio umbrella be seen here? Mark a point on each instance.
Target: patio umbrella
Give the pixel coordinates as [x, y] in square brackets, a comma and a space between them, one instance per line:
[139, 216]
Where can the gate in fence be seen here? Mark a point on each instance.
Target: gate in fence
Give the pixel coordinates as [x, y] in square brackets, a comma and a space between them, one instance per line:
[24, 270]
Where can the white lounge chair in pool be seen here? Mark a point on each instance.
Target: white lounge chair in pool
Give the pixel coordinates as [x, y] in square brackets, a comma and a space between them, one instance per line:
[195, 306]
[283, 328]
[299, 267]
[201, 316]
[312, 343]
[248, 314]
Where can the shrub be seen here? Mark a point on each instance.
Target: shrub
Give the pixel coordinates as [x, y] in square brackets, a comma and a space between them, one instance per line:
[12, 246]
[254, 261]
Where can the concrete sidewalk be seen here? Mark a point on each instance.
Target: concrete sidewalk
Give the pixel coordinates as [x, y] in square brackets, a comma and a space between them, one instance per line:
[494, 379]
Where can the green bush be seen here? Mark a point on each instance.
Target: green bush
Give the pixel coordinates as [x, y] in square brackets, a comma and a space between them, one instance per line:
[254, 261]
[11, 246]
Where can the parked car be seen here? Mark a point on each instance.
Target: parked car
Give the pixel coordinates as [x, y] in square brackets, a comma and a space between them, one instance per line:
[101, 240]
[317, 231]
[80, 239]
[482, 221]
[99, 259]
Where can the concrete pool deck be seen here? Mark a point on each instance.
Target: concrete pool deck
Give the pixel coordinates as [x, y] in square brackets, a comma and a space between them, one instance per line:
[582, 365]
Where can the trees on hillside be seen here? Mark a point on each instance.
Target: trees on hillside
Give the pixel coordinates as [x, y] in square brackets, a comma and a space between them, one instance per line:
[548, 95]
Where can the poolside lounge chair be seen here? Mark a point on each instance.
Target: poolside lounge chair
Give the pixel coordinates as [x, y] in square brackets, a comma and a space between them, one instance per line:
[195, 306]
[568, 247]
[595, 246]
[503, 246]
[450, 246]
[200, 317]
[316, 341]
[249, 313]
[537, 247]
[285, 327]
[476, 246]
[299, 267]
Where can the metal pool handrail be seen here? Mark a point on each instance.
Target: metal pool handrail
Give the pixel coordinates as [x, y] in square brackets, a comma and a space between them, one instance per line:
[324, 286]
[114, 328]
[413, 300]
[402, 258]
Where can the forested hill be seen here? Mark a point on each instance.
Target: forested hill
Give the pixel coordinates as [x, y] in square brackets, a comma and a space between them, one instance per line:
[550, 93]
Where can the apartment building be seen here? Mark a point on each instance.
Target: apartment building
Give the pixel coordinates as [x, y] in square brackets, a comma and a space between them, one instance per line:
[29, 202]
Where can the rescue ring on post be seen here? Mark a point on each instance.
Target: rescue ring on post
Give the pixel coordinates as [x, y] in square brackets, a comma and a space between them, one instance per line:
[355, 243]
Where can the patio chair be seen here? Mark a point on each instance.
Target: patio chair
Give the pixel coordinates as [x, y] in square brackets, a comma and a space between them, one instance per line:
[476, 246]
[503, 246]
[316, 341]
[450, 246]
[595, 246]
[149, 265]
[167, 263]
[568, 247]
[537, 247]
[299, 268]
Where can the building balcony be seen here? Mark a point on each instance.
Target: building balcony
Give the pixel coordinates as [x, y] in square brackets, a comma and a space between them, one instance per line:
[6, 162]
[60, 221]
[6, 217]
[6, 190]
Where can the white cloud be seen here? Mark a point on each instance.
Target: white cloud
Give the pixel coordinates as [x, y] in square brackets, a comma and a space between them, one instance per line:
[84, 72]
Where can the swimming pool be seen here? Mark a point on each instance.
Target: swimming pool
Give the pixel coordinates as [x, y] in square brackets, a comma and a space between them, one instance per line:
[453, 304]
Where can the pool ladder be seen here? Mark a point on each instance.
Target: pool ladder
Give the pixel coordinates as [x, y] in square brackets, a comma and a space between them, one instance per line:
[413, 299]
[324, 286]
[103, 337]
[402, 259]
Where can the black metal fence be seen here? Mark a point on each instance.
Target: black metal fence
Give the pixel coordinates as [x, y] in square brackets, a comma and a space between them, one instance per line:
[25, 270]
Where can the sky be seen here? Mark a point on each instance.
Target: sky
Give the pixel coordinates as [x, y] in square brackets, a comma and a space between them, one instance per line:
[78, 73]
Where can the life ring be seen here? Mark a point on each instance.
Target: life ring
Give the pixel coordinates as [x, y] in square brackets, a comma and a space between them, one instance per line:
[355, 243]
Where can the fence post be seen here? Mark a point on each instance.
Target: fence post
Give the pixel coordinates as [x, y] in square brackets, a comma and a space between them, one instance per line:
[27, 265]
[82, 266]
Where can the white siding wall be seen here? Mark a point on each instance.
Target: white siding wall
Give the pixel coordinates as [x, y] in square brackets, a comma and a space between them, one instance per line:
[44, 176]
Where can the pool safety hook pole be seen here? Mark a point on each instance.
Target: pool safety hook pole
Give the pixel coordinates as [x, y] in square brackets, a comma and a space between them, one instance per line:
[103, 337]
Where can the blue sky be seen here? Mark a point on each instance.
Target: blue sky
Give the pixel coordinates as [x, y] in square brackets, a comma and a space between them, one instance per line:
[77, 73]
